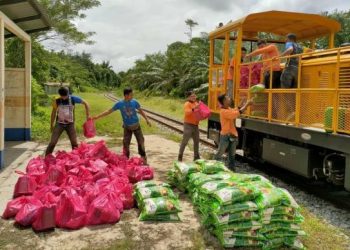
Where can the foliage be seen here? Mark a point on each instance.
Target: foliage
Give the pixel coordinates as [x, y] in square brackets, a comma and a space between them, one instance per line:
[63, 15]
[343, 36]
[182, 67]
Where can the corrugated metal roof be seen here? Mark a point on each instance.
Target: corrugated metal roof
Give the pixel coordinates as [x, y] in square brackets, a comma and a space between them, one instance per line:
[27, 14]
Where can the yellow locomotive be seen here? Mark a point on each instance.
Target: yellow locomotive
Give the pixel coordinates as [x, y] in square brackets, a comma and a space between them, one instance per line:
[305, 129]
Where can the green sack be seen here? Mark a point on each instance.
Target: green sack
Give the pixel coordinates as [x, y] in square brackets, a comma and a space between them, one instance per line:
[284, 234]
[160, 205]
[260, 99]
[225, 219]
[272, 197]
[273, 244]
[211, 166]
[241, 226]
[280, 210]
[257, 88]
[153, 192]
[250, 234]
[211, 186]
[278, 243]
[199, 179]
[150, 183]
[294, 219]
[186, 168]
[171, 178]
[239, 242]
[160, 217]
[280, 226]
[215, 207]
[230, 195]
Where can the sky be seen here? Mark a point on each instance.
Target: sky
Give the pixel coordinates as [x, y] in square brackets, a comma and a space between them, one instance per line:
[126, 30]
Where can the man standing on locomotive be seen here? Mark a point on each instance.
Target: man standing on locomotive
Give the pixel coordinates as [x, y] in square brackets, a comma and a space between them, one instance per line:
[289, 77]
[128, 108]
[62, 118]
[269, 52]
[228, 133]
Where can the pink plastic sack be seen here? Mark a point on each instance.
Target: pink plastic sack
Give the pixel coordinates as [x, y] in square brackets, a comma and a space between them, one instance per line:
[28, 213]
[45, 218]
[102, 211]
[71, 212]
[89, 128]
[25, 185]
[14, 206]
[203, 112]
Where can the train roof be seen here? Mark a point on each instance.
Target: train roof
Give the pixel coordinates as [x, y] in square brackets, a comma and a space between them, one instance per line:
[305, 26]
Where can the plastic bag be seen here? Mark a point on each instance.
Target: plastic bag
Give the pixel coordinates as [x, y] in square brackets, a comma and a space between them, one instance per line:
[239, 242]
[160, 217]
[215, 207]
[257, 88]
[285, 233]
[234, 217]
[230, 195]
[185, 169]
[28, 213]
[45, 218]
[271, 197]
[14, 206]
[250, 234]
[25, 185]
[89, 128]
[151, 183]
[102, 211]
[153, 192]
[211, 166]
[71, 212]
[159, 205]
[203, 112]
[242, 226]
[280, 226]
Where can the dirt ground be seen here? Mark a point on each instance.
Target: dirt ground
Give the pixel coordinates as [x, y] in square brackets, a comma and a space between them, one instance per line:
[129, 233]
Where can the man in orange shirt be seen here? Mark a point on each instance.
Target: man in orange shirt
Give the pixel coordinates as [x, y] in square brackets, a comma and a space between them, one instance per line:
[230, 72]
[228, 134]
[268, 52]
[191, 129]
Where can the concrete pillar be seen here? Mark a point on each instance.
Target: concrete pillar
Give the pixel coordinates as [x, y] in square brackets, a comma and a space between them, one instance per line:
[28, 90]
[2, 92]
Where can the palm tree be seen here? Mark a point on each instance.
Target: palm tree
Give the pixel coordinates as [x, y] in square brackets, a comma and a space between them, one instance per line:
[190, 23]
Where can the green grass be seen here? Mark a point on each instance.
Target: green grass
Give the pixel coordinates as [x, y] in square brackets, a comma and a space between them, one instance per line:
[110, 125]
[170, 106]
[321, 235]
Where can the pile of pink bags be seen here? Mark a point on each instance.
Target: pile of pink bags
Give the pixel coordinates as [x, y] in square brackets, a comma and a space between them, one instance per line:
[88, 186]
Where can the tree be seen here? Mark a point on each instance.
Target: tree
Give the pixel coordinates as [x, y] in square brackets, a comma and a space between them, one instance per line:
[190, 23]
[62, 14]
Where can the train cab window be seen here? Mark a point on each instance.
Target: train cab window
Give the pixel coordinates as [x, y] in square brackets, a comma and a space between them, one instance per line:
[219, 50]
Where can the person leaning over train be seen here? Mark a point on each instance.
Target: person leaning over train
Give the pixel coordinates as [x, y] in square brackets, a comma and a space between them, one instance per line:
[269, 51]
[191, 129]
[228, 133]
[230, 72]
[131, 124]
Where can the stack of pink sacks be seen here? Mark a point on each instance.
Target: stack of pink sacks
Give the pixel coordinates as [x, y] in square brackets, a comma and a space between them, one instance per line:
[88, 186]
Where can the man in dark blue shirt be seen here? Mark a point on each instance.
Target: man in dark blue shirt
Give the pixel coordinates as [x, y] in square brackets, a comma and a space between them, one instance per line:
[128, 109]
[62, 118]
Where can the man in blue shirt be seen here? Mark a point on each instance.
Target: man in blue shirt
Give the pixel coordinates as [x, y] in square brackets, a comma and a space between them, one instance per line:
[128, 108]
[62, 118]
[289, 77]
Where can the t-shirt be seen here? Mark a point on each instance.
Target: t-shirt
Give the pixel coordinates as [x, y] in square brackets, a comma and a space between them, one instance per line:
[128, 110]
[189, 114]
[268, 52]
[65, 108]
[297, 49]
[227, 119]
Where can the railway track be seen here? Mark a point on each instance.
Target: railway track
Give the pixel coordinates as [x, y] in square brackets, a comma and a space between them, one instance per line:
[170, 123]
[339, 198]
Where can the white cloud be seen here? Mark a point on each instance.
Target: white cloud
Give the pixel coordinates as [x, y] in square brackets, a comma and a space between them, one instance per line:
[127, 30]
